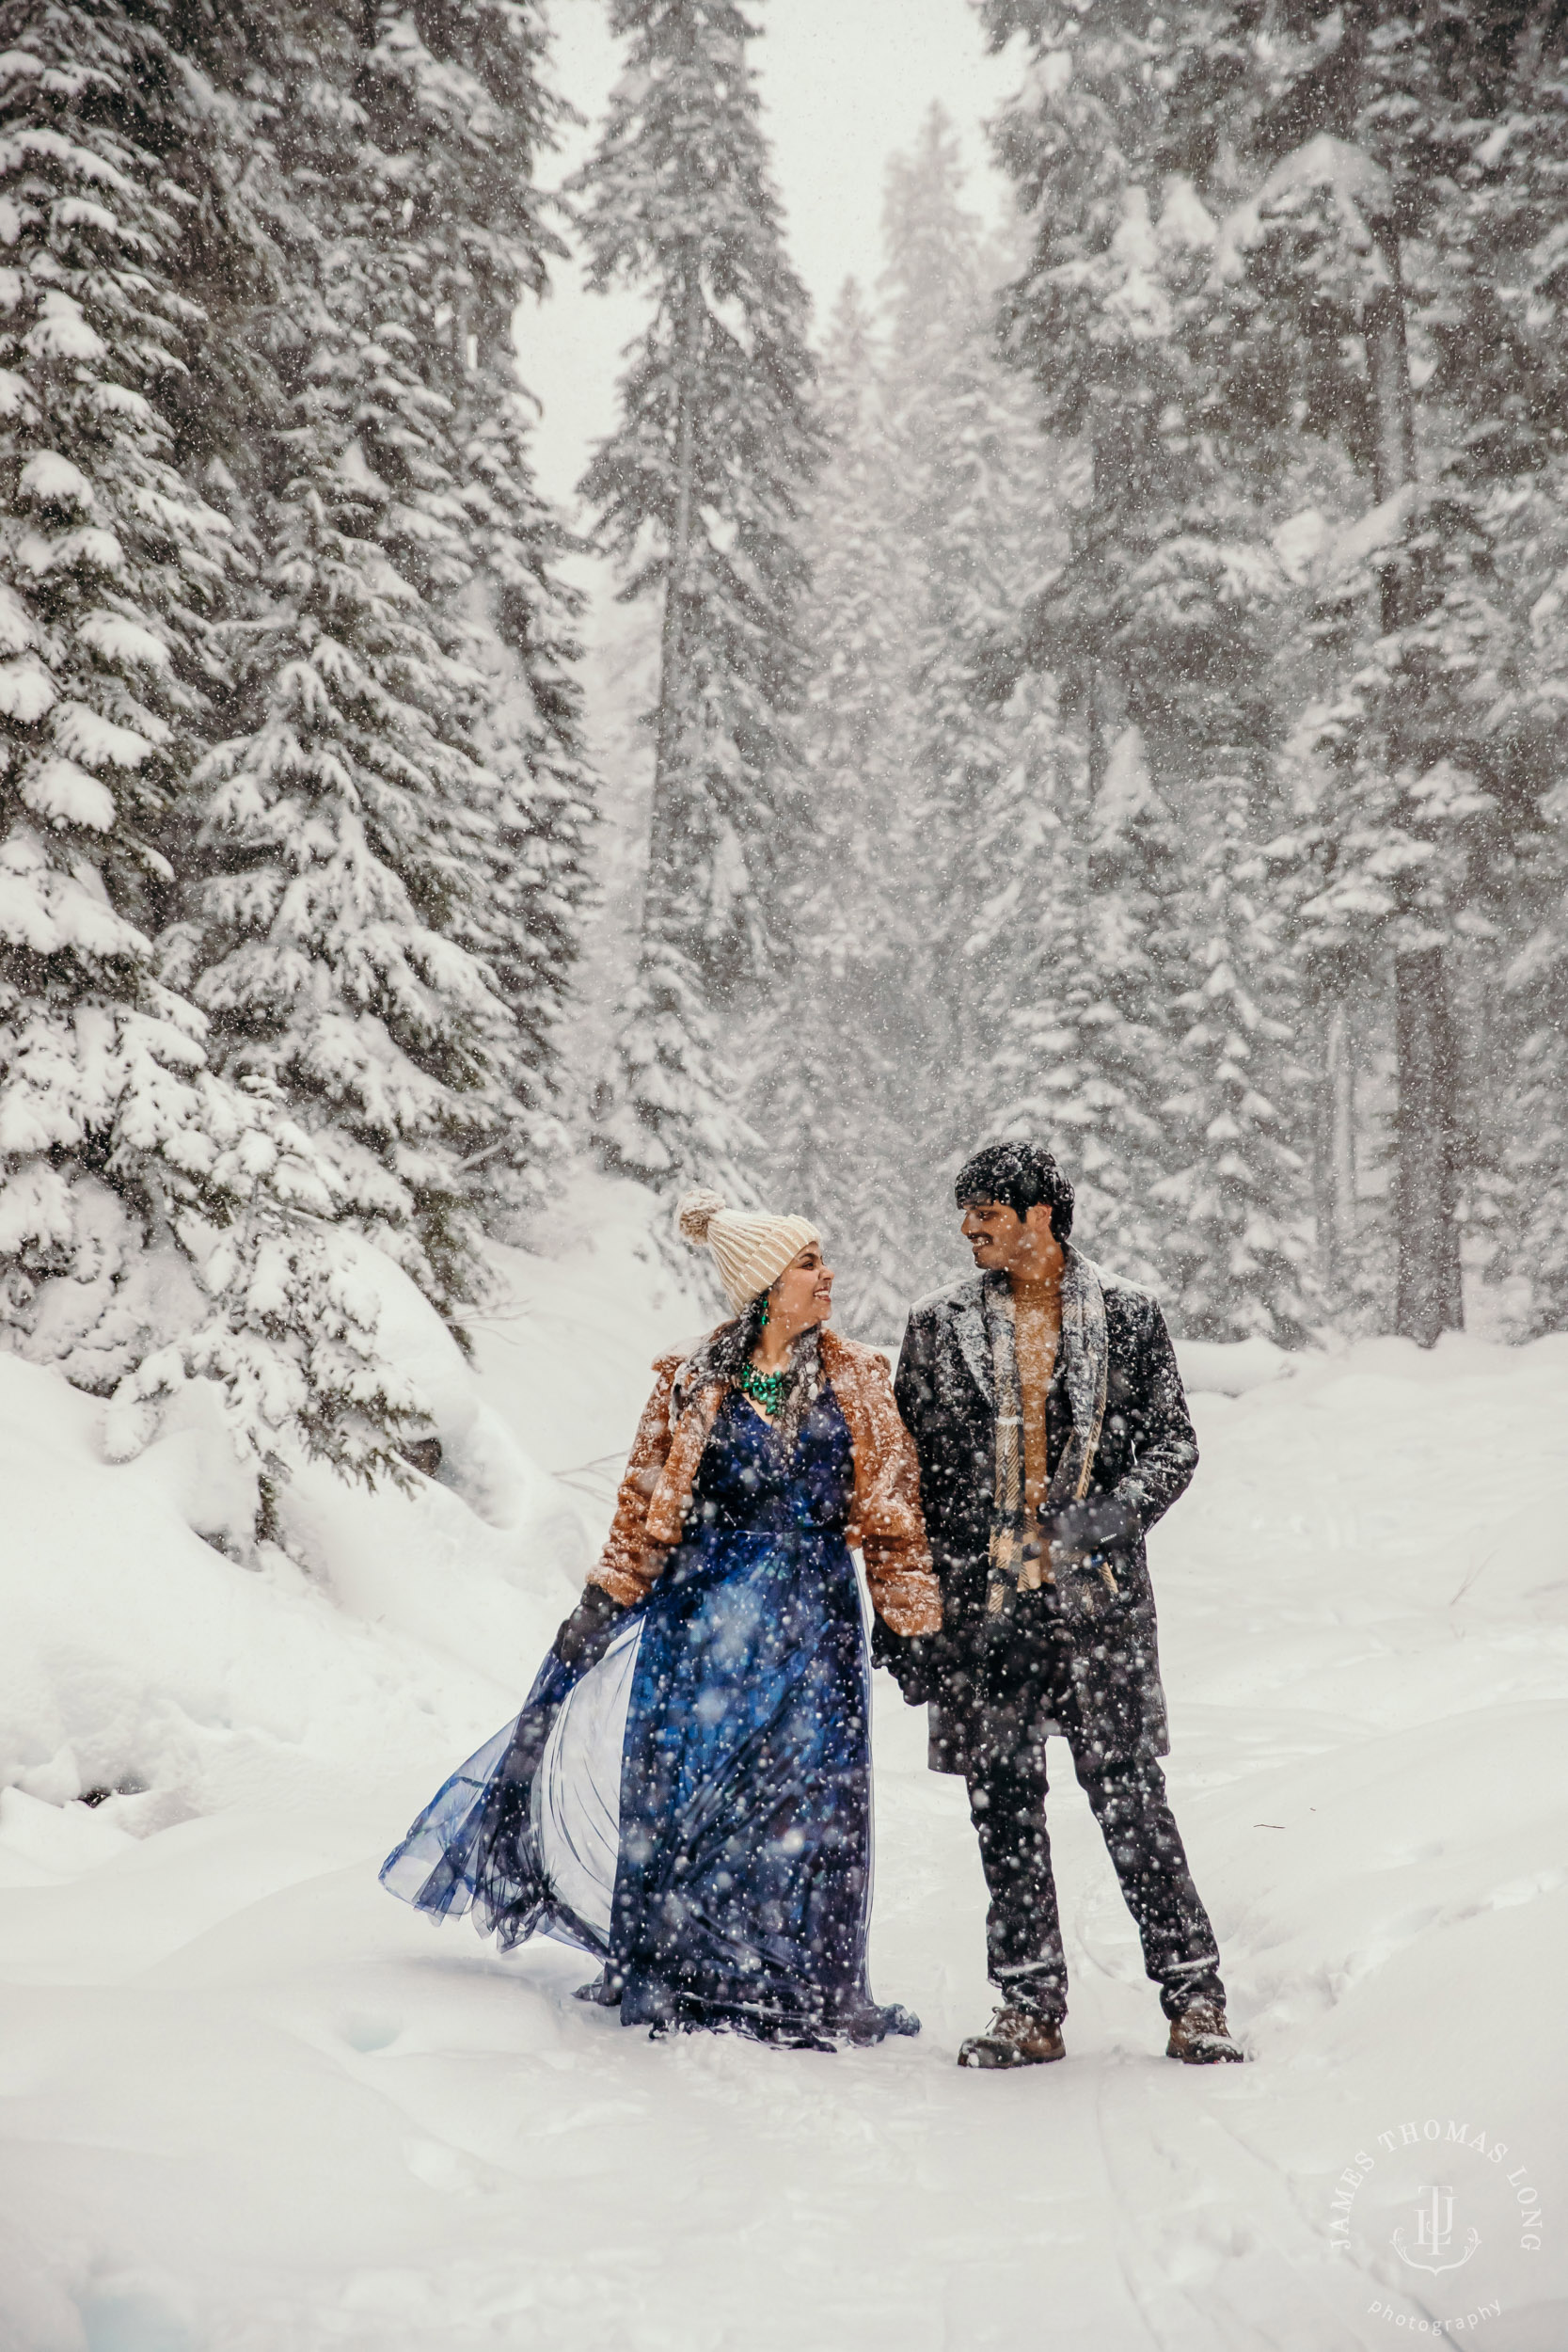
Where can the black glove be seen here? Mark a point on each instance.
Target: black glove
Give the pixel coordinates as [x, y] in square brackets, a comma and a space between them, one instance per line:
[911, 1658]
[1087, 1546]
[1100, 1523]
[585, 1634]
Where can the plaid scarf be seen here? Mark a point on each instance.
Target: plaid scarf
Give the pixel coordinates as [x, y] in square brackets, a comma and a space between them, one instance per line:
[1083, 1356]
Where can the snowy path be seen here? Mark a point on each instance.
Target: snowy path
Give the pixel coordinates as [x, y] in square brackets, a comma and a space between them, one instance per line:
[249, 2104]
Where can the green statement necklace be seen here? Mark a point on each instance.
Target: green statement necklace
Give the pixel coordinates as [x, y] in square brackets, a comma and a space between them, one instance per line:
[766, 1389]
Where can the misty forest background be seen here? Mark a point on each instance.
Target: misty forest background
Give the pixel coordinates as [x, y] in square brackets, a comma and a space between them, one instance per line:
[1108, 681]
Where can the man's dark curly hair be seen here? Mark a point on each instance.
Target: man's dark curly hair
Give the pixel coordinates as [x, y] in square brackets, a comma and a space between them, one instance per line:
[1020, 1177]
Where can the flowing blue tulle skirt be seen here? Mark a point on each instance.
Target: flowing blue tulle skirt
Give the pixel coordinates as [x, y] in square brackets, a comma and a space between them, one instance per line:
[693, 1808]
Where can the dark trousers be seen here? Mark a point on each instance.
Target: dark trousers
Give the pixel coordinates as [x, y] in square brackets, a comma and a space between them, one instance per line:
[1023, 1931]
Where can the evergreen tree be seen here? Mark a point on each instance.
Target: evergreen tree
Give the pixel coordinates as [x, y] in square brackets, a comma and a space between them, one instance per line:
[978, 511]
[394, 826]
[930, 521]
[125, 1158]
[462, 111]
[698, 493]
[835, 1042]
[965, 493]
[1494, 319]
[348, 837]
[1158, 629]
[1084, 1055]
[538, 792]
[1347, 157]
[1239, 1239]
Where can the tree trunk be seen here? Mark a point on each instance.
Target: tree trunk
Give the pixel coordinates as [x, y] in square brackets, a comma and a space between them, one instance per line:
[1430, 1299]
[1393, 417]
[1335, 1154]
[1343, 1144]
[676, 636]
[1427, 1289]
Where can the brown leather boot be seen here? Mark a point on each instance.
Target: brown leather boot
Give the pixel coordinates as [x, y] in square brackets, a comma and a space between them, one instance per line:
[1200, 2036]
[1015, 2037]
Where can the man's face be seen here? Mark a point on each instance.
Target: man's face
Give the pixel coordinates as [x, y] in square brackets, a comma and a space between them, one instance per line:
[1000, 1238]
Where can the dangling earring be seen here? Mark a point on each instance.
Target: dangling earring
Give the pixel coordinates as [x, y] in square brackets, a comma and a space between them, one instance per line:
[763, 1324]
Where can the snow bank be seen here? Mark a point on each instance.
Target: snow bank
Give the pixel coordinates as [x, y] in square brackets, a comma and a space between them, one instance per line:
[139, 1658]
[252, 2105]
[1231, 1367]
[185, 1673]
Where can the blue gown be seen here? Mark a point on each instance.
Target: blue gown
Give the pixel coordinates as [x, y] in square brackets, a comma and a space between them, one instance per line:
[695, 1807]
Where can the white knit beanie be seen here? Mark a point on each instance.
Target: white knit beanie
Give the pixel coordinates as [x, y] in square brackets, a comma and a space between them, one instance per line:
[750, 1247]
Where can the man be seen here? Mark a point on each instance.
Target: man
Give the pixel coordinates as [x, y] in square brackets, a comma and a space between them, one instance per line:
[1047, 1412]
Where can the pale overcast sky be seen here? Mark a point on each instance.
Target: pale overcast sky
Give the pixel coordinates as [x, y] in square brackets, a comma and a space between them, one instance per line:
[844, 83]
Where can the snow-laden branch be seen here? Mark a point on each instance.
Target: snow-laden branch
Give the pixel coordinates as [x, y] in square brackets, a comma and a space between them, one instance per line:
[1362, 194]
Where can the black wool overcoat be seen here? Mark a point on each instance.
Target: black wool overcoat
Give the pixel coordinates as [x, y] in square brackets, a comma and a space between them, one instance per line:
[1105, 1694]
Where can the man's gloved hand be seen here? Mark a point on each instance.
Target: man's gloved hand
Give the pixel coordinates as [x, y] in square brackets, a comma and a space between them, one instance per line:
[588, 1625]
[913, 1660]
[1079, 1567]
[1070, 1532]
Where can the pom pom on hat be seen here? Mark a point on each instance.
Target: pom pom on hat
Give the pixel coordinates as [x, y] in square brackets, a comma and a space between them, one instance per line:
[696, 1212]
[751, 1249]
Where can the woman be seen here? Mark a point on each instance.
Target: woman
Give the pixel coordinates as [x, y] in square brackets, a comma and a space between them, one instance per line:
[688, 1792]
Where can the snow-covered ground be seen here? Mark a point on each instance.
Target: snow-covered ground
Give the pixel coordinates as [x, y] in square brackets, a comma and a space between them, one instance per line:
[250, 2105]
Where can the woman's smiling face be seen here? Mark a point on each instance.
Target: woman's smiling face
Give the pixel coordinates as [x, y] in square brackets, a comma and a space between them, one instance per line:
[804, 1292]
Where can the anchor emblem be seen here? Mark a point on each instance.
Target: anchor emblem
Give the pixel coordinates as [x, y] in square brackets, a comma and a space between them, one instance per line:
[1434, 2235]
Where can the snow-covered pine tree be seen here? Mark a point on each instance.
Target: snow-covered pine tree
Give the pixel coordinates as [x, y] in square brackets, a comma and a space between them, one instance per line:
[539, 793]
[344, 831]
[1371, 203]
[979, 514]
[459, 105]
[1521, 1060]
[699, 492]
[1238, 1233]
[1377, 864]
[945, 421]
[828, 1091]
[149, 1211]
[1502, 375]
[1155, 628]
[340, 822]
[1335, 146]
[392, 814]
[1080, 1057]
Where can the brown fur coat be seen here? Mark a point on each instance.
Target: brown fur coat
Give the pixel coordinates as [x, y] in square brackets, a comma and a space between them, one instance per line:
[886, 1525]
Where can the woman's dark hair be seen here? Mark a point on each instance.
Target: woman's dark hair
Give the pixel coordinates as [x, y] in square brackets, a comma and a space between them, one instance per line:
[725, 1351]
[1017, 1176]
[730, 1346]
